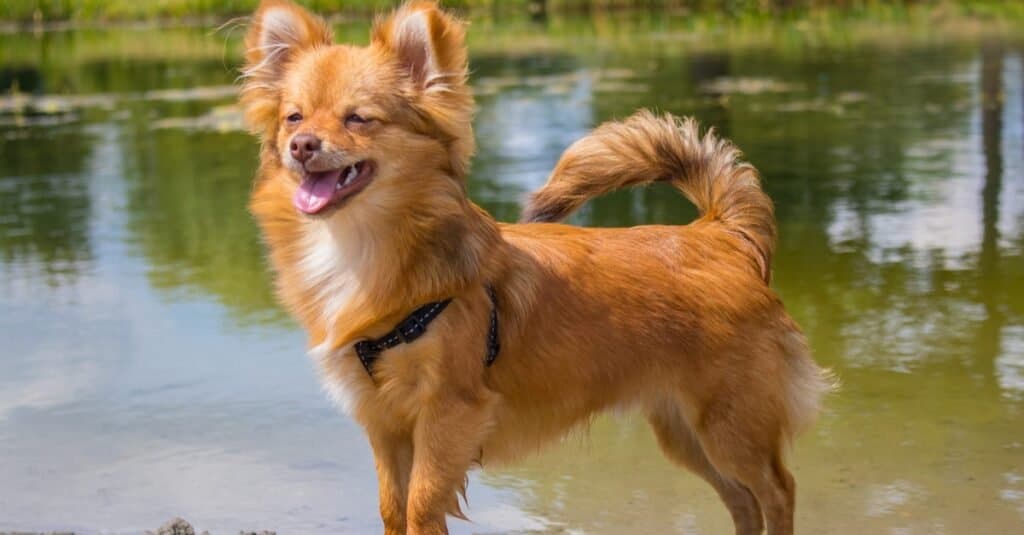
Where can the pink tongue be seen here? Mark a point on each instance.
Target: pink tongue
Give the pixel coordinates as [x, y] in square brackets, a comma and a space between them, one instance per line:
[316, 191]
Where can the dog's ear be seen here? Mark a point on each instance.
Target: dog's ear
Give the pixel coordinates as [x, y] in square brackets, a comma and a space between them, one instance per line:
[427, 43]
[278, 32]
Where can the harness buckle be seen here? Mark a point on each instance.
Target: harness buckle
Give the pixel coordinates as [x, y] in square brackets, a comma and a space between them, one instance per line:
[410, 329]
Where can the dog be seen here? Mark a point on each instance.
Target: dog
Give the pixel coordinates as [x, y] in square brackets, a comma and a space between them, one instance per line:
[509, 335]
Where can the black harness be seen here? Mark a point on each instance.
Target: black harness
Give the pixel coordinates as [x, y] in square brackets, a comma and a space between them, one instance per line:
[415, 325]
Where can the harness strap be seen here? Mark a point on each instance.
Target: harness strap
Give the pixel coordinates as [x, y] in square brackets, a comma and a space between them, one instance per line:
[409, 329]
[493, 341]
[415, 325]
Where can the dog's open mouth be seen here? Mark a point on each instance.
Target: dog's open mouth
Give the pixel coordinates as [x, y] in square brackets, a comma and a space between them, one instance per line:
[325, 189]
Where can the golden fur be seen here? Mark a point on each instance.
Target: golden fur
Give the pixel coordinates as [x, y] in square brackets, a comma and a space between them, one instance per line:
[678, 322]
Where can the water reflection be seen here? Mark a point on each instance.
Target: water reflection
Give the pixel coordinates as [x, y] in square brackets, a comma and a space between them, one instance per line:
[167, 381]
[45, 202]
[188, 197]
[530, 109]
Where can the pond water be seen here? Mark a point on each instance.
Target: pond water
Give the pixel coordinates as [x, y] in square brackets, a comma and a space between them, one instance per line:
[145, 371]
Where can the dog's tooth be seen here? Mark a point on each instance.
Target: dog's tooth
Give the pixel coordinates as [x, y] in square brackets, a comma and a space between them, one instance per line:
[352, 172]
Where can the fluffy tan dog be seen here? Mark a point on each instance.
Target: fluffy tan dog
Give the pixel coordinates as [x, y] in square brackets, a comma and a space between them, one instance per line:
[362, 202]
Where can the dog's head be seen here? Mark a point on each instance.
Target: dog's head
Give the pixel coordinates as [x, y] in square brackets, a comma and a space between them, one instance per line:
[340, 123]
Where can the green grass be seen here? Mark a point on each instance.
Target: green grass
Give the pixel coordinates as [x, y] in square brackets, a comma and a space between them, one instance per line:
[99, 10]
[793, 32]
[89, 11]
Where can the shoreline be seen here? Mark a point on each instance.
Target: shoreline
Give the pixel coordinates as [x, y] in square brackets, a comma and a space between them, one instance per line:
[174, 526]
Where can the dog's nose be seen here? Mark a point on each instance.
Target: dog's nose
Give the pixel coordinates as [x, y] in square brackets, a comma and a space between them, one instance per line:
[304, 146]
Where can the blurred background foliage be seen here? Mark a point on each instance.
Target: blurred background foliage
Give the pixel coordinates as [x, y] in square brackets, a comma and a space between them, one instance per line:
[92, 11]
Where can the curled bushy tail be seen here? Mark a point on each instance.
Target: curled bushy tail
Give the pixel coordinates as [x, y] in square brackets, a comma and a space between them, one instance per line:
[646, 148]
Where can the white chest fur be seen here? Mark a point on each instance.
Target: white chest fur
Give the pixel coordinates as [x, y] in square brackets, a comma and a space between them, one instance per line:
[329, 272]
[329, 269]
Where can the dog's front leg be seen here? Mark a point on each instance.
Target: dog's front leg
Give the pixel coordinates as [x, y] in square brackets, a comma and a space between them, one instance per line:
[446, 442]
[392, 454]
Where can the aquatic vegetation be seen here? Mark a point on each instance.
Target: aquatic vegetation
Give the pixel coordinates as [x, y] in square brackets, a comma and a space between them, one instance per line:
[218, 119]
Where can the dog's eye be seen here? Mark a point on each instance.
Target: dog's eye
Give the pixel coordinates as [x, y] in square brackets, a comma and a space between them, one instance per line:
[353, 118]
[294, 118]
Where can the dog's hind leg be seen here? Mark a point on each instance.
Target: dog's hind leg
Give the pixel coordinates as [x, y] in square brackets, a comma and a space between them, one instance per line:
[743, 442]
[681, 445]
[756, 411]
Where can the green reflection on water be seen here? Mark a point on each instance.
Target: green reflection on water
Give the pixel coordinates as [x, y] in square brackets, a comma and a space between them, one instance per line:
[45, 216]
[189, 218]
[892, 157]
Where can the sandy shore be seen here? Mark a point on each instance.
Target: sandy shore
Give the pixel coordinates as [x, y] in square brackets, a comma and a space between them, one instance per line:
[176, 526]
